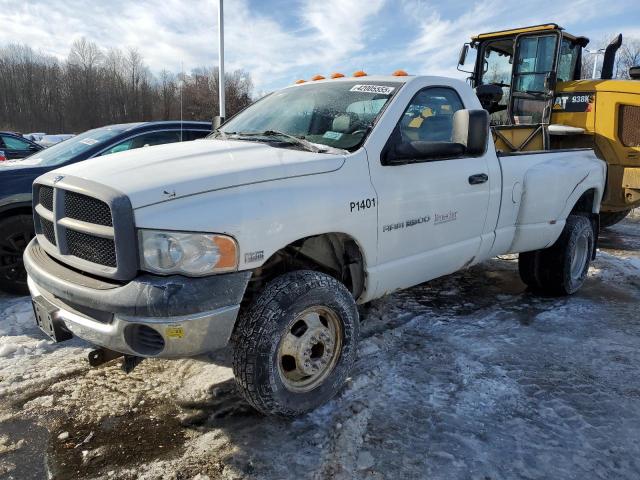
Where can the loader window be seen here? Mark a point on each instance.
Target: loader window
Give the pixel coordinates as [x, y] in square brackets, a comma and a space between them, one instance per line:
[569, 52]
[534, 62]
[497, 64]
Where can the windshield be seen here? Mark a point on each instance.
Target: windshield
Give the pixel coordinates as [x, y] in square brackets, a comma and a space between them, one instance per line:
[68, 149]
[337, 114]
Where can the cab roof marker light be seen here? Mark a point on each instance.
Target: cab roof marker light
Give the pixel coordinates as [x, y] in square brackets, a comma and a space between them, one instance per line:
[360, 73]
[400, 73]
[298, 82]
[317, 77]
[337, 75]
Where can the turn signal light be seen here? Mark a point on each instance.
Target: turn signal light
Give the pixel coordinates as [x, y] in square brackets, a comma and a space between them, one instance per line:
[337, 75]
[360, 73]
[317, 77]
[400, 73]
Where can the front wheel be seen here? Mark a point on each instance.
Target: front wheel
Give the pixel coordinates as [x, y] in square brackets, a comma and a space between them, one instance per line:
[295, 344]
[562, 268]
[15, 234]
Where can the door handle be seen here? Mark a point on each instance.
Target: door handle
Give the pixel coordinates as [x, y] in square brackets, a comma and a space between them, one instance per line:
[478, 178]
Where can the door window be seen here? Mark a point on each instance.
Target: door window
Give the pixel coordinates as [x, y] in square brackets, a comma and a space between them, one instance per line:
[12, 143]
[535, 60]
[429, 116]
[145, 140]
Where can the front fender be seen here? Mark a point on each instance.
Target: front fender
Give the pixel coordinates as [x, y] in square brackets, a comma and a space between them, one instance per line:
[266, 217]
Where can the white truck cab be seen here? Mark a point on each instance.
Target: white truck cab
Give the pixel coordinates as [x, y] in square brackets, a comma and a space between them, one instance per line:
[268, 233]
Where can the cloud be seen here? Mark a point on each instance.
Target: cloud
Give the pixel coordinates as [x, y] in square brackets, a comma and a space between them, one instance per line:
[170, 32]
[277, 41]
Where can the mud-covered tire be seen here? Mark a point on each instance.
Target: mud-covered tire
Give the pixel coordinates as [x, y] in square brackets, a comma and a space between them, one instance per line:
[562, 268]
[262, 326]
[527, 268]
[609, 219]
[15, 233]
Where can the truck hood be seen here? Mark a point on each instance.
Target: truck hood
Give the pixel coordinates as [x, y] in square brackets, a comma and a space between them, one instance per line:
[166, 172]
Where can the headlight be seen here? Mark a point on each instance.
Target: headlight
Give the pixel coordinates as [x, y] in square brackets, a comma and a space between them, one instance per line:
[193, 254]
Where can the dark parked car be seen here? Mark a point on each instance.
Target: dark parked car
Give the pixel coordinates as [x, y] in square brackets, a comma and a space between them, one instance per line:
[16, 177]
[16, 146]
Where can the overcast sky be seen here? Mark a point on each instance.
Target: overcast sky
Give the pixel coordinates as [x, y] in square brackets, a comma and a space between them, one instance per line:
[279, 41]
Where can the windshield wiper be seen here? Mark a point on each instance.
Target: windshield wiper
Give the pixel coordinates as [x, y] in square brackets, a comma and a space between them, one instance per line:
[291, 138]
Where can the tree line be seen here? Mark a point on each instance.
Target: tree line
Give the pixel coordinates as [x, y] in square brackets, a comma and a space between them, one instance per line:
[95, 87]
[627, 56]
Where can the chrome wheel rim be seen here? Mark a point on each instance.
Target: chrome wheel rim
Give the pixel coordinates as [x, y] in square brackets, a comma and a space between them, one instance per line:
[579, 258]
[310, 348]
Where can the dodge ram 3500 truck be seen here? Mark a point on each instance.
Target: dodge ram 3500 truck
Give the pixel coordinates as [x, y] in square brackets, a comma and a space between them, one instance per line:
[267, 234]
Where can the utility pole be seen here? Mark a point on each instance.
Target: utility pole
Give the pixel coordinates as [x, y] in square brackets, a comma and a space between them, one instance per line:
[595, 54]
[222, 113]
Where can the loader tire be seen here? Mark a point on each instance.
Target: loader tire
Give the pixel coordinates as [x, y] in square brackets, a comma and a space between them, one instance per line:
[609, 219]
[295, 344]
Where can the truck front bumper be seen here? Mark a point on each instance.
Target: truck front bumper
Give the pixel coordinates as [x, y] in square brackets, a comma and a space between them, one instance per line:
[151, 316]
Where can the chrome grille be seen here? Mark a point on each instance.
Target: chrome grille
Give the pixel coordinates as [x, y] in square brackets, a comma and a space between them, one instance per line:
[87, 209]
[48, 230]
[46, 198]
[91, 248]
[86, 225]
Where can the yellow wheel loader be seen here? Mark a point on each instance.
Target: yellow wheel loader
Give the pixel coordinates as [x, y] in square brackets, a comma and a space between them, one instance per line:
[529, 81]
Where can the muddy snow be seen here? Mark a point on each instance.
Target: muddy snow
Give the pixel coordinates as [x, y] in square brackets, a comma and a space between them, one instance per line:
[469, 376]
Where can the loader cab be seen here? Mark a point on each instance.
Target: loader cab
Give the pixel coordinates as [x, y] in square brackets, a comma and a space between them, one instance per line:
[515, 76]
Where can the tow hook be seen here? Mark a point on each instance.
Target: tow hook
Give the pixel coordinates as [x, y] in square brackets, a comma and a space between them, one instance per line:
[130, 362]
[101, 356]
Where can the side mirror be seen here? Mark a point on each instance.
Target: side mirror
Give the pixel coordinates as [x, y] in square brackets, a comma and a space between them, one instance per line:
[471, 130]
[469, 137]
[463, 54]
[410, 152]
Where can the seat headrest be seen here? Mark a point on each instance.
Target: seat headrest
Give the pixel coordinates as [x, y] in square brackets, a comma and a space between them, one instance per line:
[342, 123]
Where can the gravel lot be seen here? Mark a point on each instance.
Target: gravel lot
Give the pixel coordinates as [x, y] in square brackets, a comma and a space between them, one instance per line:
[469, 376]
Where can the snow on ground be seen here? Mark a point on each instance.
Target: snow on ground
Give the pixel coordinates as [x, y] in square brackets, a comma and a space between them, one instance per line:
[469, 376]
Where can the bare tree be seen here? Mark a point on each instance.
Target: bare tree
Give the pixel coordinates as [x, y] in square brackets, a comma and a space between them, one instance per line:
[628, 56]
[94, 87]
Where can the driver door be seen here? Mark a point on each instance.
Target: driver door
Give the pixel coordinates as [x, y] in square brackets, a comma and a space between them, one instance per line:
[431, 212]
[533, 78]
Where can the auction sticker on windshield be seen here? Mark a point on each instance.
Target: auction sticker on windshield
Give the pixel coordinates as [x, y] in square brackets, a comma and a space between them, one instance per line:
[383, 89]
[89, 141]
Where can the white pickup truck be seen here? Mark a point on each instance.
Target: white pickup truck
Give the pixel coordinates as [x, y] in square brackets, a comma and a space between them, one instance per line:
[266, 235]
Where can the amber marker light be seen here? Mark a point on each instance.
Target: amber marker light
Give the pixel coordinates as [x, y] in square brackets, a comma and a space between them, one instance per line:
[298, 82]
[337, 75]
[360, 73]
[400, 73]
[317, 77]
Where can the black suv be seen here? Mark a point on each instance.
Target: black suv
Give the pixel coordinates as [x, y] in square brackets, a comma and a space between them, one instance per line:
[16, 178]
[16, 146]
